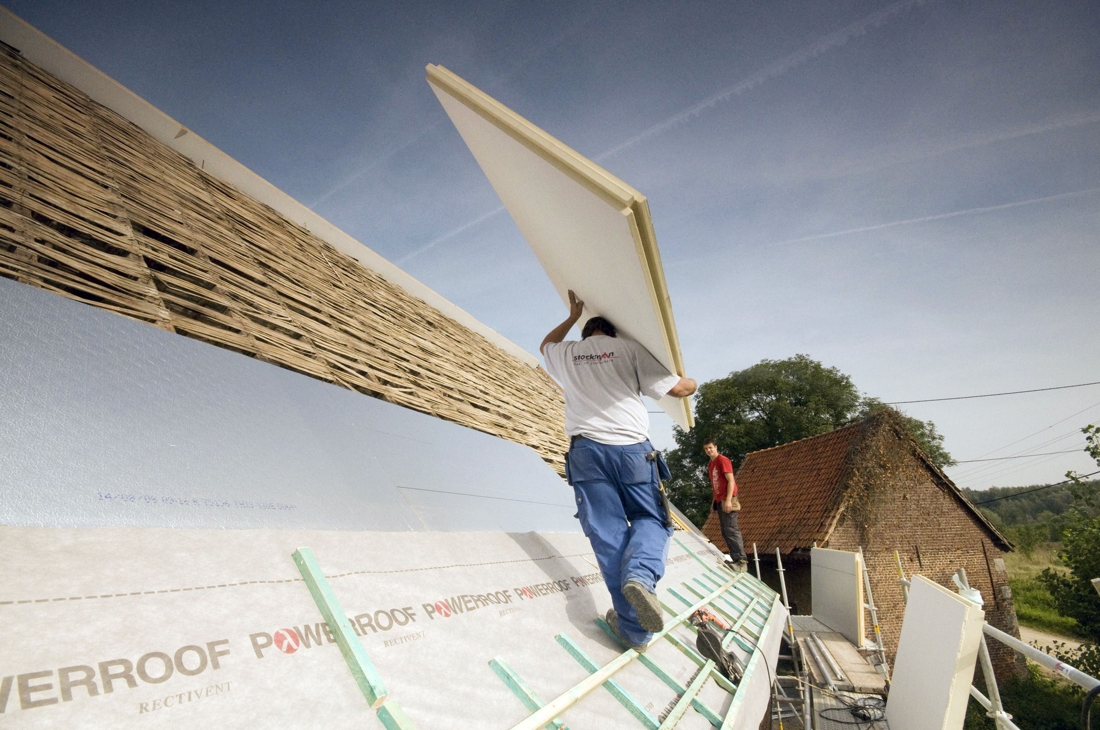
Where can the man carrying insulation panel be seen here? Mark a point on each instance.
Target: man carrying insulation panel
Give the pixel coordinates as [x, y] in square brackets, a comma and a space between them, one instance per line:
[611, 463]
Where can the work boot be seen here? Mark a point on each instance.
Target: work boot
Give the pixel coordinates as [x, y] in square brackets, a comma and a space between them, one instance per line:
[645, 603]
[612, 620]
[741, 566]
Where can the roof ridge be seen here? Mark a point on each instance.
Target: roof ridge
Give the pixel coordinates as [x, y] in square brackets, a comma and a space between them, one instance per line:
[807, 438]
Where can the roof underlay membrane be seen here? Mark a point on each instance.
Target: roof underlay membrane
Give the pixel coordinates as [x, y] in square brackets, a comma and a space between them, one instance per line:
[591, 232]
[127, 453]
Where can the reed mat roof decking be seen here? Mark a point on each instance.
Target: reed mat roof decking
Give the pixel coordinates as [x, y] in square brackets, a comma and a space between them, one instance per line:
[95, 209]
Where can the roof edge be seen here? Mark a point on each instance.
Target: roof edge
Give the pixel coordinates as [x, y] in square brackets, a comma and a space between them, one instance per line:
[51, 56]
[938, 473]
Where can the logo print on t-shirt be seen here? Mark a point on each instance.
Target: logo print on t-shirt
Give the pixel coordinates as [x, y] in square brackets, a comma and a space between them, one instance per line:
[600, 359]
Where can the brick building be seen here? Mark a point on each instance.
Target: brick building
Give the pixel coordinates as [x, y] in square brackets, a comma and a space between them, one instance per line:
[870, 485]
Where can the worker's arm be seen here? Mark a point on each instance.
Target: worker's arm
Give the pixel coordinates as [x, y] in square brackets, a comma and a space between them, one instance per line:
[684, 388]
[576, 306]
[731, 492]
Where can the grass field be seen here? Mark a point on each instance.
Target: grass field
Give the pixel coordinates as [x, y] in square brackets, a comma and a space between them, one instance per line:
[1034, 604]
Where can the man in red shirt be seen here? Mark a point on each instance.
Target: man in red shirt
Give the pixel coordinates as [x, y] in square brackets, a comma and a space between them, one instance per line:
[725, 503]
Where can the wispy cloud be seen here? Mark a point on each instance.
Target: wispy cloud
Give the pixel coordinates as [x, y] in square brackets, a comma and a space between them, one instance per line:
[389, 154]
[833, 40]
[450, 234]
[423, 132]
[939, 217]
[780, 67]
[960, 144]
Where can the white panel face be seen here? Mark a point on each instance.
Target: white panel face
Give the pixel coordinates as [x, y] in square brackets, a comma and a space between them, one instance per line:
[108, 421]
[837, 592]
[934, 668]
[582, 242]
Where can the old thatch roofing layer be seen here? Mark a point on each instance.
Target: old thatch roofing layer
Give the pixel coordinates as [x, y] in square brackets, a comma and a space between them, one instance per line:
[794, 493]
[94, 208]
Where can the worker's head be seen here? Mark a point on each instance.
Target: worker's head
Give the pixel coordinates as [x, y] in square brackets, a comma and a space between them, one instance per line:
[710, 448]
[597, 326]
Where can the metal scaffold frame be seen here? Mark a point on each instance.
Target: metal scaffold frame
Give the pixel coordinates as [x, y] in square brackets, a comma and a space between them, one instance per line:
[992, 704]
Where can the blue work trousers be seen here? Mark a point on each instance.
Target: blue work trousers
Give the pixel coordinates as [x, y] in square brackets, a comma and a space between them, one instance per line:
[621, 512]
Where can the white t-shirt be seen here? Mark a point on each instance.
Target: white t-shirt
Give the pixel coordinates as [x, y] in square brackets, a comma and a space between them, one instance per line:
[602, 377]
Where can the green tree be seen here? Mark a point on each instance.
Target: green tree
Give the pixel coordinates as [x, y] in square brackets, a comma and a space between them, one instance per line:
[771, 403]
[1073, 594]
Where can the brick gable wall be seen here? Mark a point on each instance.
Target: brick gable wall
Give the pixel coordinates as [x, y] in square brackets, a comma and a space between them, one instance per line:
[896, 502]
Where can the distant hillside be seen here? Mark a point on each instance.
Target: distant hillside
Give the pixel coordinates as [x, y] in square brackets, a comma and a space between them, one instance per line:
[1013, 506]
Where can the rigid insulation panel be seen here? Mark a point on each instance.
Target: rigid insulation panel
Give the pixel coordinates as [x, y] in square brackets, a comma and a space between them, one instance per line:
[591, 232]
[934, 668]
[837, 592]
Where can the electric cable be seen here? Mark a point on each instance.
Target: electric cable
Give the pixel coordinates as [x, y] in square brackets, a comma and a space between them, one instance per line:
[866, 710]
[1019, 456]
[1037, 489]
[991, 395]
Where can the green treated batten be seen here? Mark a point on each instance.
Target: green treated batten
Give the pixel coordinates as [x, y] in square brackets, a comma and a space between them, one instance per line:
[752, 666]
[687, 698]
[366, 676]
[632, 705]
[711, 716]
[566, 700]
[521, 689]
[394, 718]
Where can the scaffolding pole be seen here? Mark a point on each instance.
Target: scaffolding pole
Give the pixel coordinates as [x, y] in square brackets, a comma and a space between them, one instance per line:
[884, 667]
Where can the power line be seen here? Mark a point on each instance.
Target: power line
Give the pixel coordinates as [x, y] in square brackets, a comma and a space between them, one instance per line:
[1037, 489]
[1020, 456]
[990, 395]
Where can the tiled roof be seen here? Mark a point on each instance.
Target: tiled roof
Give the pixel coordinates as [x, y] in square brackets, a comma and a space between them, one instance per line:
[794, 489]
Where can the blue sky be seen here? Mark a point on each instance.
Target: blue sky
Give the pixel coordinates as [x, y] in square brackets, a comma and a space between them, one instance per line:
[907, 191]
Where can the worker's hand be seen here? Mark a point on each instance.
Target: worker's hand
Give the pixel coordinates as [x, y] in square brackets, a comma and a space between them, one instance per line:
[576, 306]
[727, 507]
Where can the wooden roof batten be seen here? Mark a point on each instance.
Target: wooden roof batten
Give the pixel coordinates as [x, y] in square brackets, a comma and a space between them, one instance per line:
[97, 209]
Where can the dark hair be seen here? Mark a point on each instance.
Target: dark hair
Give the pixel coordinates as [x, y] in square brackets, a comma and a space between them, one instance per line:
[597, 324]
[709, 442]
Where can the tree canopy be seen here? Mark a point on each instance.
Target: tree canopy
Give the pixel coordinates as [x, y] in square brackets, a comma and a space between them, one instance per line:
[771, 403]
[1074, 594]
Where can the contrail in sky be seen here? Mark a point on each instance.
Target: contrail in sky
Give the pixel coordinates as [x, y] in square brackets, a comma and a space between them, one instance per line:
[967, 142]
[530, 58]
[1076, 120]
[940, 217]
[833, 40]
[388, 154]
[780, 67]
[451, 234]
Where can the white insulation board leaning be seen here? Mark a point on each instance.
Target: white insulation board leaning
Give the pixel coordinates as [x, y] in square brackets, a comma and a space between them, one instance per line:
[837, 592]
[591, 231]
[180, 628]
[934, 668]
